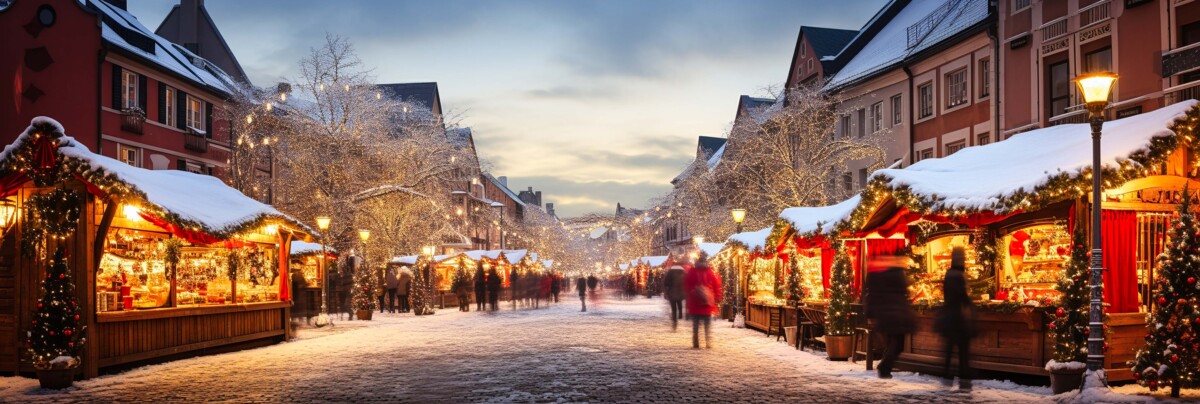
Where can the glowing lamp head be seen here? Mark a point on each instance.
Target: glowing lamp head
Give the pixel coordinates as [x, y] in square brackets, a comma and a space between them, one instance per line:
[364, 235]
[271, 229]
[8, 213]
[698, 240]
[323, 222]
[132, 212]
[1096, 87]
[738, 215]
[429, 250]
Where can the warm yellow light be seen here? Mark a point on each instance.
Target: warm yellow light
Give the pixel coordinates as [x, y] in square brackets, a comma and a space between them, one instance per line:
[271, 229]
[282, 97]
[1096, 87]
[269, 107]
[364, 235]
[249, 119]
[8, 211]
[132, 212]
[738, 215]
[698, 240]
[323, 222]
[429, 250]
[458, 211]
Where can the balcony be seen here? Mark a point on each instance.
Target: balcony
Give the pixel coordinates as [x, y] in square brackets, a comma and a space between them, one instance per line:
[1181, 60]
[1073, 115]
[1053, 29]
[195, 141]
[1093, 14]
[1186, 91]
[132, 120]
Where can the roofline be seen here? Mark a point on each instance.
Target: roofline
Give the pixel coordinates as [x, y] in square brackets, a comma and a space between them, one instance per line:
[150, 64]
[870, 29]
[220, 37]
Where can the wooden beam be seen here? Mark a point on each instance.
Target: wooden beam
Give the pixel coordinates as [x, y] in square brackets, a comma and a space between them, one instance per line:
[110, 210]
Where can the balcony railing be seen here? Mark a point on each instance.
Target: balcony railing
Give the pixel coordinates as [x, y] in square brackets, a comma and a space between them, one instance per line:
[1186, 91]
[1072, 116]
[1054, 29]
[1095, 13]
[132, 120]
[195, 141]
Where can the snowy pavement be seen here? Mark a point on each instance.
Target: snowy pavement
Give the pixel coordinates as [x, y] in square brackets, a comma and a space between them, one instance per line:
[619, 351]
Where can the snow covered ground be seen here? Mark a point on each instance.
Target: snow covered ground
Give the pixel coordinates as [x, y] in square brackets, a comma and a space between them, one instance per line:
[619, 351]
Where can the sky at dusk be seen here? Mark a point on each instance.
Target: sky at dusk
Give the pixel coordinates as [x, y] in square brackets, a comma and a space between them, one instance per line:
[591, 102]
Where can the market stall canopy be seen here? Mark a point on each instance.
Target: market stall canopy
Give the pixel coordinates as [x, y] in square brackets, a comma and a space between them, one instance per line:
[1008, 176]
[623, 267]
[514, 256]
[548, 264]
[477, 255]
[711, 249]
[404, 260]
[302, 248]
[199, 208]
[655, 260]
[751, 240]
[811, 221]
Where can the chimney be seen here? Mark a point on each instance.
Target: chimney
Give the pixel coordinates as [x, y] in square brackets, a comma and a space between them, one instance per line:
[190, 12]
[550, 209]
[539, 198]
[503, 180]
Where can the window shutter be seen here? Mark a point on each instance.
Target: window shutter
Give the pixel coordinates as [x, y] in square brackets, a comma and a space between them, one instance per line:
[181, 110]
[116, 87]
[162, 102]
[142, 93]
[208, 129]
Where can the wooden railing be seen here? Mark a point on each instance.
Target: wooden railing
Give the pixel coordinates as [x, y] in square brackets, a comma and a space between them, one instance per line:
[1076, 116]
[132, 120]
[1095, 13]
[1054, 29]
[195, 141]
[1186, 91]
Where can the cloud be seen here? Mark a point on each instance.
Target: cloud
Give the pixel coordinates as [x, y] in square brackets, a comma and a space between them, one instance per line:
[574, 198]
[574, 92]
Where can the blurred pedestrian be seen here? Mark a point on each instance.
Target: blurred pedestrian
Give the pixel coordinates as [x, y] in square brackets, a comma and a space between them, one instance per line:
[555, 285]
[514, 287]
[461, 286]
[345, 285]
[480, 287]
[581, 287]
[391, 281]
[673, 289]
[300, 305]
[956, 320]
[702, 286]
[592, 283]
[493, 288]
[404, 288]
[381, 289]
[888, 308]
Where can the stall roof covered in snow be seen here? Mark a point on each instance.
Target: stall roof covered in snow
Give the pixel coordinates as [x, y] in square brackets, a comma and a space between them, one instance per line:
[711, 249]
[188, 200]
[548, 264]
[300, 248]
[750, 240]
[515, 256]
[405, 260]
[982, 177]
[820, 219]
[919, 26]
[623, 267]
[655, 260]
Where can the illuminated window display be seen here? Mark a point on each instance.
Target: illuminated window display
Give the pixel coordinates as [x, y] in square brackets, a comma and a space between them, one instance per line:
[1032, 261]
[808, 263]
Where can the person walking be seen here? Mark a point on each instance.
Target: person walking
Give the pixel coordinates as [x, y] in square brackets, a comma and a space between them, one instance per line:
[381, 289]
[888, 308]
[404, 288]
[493, 288]
[702, 286]
[956, 320]
[673, 289]
[581, 287]
[480, 288]
[391, 281]
[555, 285]
[345, 286]
[592, 283]
[462, 290]
[300, 305]
[514, 287]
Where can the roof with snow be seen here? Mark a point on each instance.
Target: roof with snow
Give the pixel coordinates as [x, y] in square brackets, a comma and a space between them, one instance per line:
[970, 179]
[914, 27]
[548, 264]
[188, 201]
[507, 192]
[715, 160]
[711, 249]
[173, 24]
[515, 256]
[751, 240]
[827, 41]
[708, 145]
[302, 248]
[122, 30]
[808, 221]
[425, 94]
[655, 261]
[404, 260]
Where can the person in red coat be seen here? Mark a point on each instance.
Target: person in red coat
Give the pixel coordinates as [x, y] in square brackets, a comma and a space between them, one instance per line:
[703, 287]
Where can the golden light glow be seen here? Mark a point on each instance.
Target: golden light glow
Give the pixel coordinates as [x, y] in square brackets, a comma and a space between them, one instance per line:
[131, 212]
[458, 211]
[323, 222]
[429, 250]
[249, 119]
[738, 215]
[1096, 87]
[271, 229]
[698, 240]
[282, 97]
[364, 235]
[8, 213]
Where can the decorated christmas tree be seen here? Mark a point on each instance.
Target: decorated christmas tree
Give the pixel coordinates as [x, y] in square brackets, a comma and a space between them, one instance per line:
[838, 312]
[1069, 321]
[364, 287]
[420, 291]
[729, 286]
[57, 336]
[794, 293]
[1171, 356]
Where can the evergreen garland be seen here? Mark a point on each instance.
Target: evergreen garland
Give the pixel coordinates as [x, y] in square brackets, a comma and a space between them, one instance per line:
[1069, 321]
[794, 293]
[838, 313]
[50, 216]
[1171, 356]
[987, 252]
[57, 336]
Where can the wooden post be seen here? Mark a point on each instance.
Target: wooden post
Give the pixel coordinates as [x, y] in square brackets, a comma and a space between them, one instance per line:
[90, 266]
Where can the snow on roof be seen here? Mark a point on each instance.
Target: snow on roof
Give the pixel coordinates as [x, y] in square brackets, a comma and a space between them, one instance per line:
[305, 248]
[548, 264]
[515, 256]
[597, 232]
[504, 188]
[623, 267]
[404, 260]
[195, 200]
[495, 204]
[751, 240]
[979, 178]
[711, 249]
[655, 260]
[808, 220]
[933, 21]
[715, 160]
[166, 54]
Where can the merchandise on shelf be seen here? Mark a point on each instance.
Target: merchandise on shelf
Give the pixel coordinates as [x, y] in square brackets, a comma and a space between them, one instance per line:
[809, 264]
[1032, 260]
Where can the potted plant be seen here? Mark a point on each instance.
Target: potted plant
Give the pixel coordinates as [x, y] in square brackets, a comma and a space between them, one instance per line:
[57, 336]
[839, 329]
[1069, 321]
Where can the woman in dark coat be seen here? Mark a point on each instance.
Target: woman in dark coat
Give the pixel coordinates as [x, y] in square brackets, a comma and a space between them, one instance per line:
[888, 308]
[955, 321]
[493, 288]
[555, 285]
[480, 288]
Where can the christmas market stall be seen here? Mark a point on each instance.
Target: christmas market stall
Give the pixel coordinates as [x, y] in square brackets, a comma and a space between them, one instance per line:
[1014, 206]
[650, 273]
[306, 261]
[758, 273]
[164, 262]
[806, 236]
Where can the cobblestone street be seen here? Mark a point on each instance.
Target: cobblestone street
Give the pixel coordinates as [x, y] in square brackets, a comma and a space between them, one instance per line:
[619, 351]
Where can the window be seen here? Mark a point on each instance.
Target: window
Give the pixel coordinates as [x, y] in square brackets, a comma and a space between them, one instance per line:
[195, 114]
[129, 155]
[1019, 5]
[846, 126]
[926, 100]
[803, 50]
[810, 65]
[897, 108]
[955, 146]
[129, 90]
[876, 117]
[862, 177]
[924, 154]
[985, 78]
[847, 182]
[956, 88]
[169, 106]
[862, 122]
[1059, 91]
[1099, 60]
[983, 138]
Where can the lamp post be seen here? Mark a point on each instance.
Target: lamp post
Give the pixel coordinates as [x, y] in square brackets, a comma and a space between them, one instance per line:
[738, 216]
[323, 224]
[1095, 88]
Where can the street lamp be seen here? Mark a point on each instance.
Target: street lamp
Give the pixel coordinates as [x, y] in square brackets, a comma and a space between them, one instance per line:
[738, 216]
[1095, 88]
[323, 224]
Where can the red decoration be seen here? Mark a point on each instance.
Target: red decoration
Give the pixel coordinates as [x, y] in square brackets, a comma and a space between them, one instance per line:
[1162, 300]
[62, 276]
[76, 316]
[67, 332]
[1060, 312]
[1191, 280]
[1174, 358]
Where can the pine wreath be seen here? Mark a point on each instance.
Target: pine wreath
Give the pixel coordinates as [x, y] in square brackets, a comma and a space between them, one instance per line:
[53, 215]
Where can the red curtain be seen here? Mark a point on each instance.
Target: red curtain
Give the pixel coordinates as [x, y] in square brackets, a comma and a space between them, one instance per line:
[10, 184]
[827, 257]
[884, 246]
[856, 266]
[1118, 236]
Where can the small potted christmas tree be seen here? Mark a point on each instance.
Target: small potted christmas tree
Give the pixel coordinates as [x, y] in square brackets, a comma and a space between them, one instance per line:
[1171, 356]
[364, 290]
[839, 330]
[1069, 321]
[57, 336]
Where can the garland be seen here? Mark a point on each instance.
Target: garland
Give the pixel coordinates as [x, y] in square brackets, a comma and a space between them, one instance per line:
[49, 216]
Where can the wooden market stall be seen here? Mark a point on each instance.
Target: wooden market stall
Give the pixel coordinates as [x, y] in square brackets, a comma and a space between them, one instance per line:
[165, 262]
[759, 276]
[1012, 206]
[306, 259]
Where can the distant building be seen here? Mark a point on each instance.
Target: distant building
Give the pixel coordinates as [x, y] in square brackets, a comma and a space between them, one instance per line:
[189, 25]
[814, 58]
[424, 95]
[531, 197]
